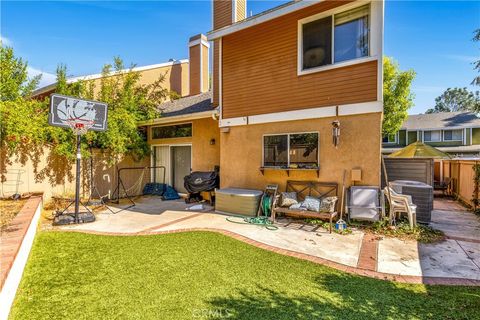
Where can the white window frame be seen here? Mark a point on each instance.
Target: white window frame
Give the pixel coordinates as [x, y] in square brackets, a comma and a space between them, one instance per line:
[288, 146]
[394, 142]
[425, 140]
[453, 140]
[372, 45]
[169, 125]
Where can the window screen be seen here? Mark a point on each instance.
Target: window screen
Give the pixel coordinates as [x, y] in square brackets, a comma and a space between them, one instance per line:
[351, 34]
[317, 43]
[452, 135]
[304, 149]
[432, 136]
[176, 131]
[275, 151]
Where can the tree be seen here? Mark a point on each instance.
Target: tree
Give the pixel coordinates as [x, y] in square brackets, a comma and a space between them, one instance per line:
[476, 64]
[24, 122]
[456, 99]
[14, 82]
[397, 95]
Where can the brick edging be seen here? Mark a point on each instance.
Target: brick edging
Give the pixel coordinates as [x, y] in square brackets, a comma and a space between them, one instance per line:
[12, 237]
[303, 256]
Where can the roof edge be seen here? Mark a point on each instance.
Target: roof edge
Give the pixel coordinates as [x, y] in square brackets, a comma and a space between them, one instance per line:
[183, 117]
[99, 75]
[261, 17]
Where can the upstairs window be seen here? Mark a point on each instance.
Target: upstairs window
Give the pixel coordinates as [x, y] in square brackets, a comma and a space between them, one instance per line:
[175, 131]
[390, 138]
[453, 135]
[295, 149]
[432, 136]
[335, 38]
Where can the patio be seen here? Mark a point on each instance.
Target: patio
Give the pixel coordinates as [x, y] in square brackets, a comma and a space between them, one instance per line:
[453, 261]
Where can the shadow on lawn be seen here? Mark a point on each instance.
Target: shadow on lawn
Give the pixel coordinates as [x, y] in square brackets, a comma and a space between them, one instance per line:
[348, 297]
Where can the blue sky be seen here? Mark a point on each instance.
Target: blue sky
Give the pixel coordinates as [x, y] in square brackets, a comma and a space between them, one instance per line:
[431, 37]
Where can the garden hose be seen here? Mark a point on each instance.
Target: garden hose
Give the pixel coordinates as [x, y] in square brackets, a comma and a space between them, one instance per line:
[260, 220]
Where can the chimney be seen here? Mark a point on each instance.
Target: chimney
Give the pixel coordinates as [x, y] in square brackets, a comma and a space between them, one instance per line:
[226, 12]
[198, 64]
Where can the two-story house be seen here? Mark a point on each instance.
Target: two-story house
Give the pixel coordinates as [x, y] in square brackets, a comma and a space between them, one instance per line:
[456, 133]
[281, 79]
[283, 82]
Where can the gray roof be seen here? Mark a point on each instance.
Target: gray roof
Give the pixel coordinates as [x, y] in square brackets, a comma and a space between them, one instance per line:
[187, 105]
[441, 120]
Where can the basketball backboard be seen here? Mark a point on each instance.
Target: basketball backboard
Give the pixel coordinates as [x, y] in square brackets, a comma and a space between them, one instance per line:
[65, 110]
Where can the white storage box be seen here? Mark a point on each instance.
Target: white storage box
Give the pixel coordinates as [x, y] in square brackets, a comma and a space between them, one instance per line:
[237, 201]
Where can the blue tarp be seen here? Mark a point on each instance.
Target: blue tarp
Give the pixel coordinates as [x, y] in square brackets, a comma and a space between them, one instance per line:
[161, 189]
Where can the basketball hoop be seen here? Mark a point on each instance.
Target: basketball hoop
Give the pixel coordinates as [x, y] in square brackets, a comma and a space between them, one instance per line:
[80, 126]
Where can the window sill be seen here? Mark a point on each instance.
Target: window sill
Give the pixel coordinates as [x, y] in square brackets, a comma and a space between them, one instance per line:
[301, 72]
[287, 170]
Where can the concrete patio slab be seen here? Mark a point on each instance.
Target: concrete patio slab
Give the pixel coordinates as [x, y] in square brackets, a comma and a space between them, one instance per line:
[344, 249]
[458, 224]
[444, 259]
[148, 212]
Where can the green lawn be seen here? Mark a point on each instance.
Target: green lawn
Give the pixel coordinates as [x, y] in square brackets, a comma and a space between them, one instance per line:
[203, 275]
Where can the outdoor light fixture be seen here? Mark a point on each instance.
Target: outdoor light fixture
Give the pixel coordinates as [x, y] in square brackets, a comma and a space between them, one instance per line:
[336, 133]
[212, 142]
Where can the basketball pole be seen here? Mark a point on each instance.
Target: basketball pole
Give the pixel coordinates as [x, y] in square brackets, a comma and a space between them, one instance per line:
[77, 182]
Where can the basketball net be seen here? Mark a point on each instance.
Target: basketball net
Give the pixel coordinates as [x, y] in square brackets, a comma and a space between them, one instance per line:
[80, 126]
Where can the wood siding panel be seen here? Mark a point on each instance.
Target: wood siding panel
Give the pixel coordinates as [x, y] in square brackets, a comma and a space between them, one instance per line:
[195, 70]
[222, 13]
[241, 9]
[259, 67]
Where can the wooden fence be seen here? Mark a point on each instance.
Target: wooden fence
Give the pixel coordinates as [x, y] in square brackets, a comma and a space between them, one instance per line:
[461, 173]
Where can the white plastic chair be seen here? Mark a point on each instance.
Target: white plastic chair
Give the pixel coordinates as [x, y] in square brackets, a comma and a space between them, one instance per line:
[401, 203]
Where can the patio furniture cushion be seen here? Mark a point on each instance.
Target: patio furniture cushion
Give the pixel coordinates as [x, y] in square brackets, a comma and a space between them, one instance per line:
[288, 199]
[312, 203]
[306, 189]
[297, 206]
[328, 204]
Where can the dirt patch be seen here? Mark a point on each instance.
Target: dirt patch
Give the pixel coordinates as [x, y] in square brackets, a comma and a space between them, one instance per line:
[8, 210]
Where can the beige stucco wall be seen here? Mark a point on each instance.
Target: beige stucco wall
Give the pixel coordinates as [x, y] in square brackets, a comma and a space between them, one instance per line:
[204, 155]
[360, 145]
[176, 78]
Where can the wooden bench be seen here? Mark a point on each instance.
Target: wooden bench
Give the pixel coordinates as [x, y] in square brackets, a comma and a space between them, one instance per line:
[304, 189]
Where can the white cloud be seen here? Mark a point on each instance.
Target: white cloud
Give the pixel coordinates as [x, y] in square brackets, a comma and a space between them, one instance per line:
[460, 57]
[6, 41]
[47, 78]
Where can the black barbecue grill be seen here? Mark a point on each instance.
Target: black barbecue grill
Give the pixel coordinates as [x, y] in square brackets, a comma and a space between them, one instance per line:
[200, 181]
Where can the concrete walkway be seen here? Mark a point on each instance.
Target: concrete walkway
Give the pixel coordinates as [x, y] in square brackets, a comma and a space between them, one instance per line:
[448, 262]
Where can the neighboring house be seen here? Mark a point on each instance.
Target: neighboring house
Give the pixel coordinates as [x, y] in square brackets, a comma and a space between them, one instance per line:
[280, 79]
[457, 133]
[176, 78]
